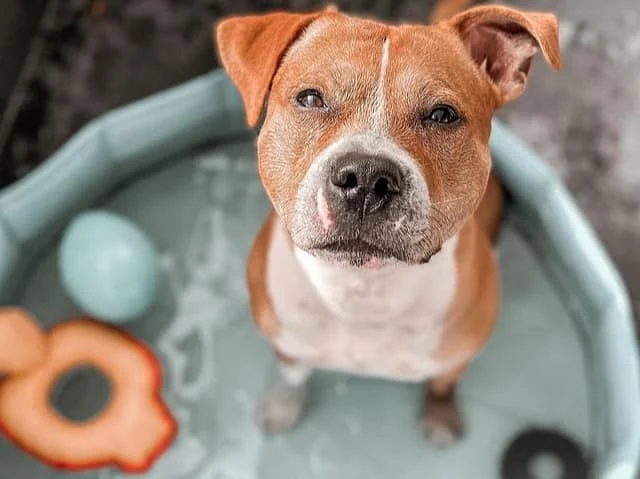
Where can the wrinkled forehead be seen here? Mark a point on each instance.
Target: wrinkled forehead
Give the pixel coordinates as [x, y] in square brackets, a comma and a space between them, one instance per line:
[352, 54]
[336, 49]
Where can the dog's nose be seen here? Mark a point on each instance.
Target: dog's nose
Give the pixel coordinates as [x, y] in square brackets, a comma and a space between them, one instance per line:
[364, 184]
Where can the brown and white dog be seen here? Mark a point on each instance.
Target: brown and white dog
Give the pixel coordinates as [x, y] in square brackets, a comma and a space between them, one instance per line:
[377, 258]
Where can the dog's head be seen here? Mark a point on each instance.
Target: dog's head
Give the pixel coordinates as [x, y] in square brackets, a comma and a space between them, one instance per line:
[374, 143]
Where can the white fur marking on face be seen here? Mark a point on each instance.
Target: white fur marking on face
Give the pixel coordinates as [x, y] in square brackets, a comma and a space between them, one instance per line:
[379, 123]
[326, 218]
[398, 223]
[385, 322]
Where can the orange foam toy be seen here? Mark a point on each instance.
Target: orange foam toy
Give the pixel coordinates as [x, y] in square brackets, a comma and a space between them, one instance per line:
[131, 432]
[22, 344]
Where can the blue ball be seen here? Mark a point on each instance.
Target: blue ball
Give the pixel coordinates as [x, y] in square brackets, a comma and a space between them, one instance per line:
[108, 266]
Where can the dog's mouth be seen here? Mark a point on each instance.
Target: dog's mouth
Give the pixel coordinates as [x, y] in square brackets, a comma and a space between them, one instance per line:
[355, 247]
[359, 252]
[356, 252]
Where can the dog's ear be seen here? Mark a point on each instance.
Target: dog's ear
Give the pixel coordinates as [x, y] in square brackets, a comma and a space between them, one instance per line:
[250, 49]
[503, 41]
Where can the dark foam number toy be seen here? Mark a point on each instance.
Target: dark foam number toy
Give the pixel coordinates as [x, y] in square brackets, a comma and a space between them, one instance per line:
[538, 444]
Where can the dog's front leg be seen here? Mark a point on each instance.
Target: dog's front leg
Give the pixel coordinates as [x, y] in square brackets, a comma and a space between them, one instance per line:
[285, 402]
[441, 417]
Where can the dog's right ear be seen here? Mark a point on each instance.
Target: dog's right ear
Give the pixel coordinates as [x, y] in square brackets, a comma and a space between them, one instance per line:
[250, 49]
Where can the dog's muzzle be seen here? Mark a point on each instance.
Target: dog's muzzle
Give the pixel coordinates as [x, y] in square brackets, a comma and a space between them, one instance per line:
[363, 197]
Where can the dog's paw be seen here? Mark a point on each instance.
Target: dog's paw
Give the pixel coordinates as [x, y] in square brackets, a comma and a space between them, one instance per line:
[442, 423]
[281, 408]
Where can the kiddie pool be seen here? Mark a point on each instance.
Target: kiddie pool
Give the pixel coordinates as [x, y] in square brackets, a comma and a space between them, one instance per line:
[181, 165]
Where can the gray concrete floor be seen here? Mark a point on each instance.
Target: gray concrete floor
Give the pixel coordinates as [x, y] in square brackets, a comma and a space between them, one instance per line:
[585, 120]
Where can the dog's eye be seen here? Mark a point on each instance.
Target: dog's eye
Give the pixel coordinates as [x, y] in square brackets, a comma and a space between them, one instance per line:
[442, 114]
[310, 99]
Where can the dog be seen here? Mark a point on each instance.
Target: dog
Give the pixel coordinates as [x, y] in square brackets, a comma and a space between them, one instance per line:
[377, 258]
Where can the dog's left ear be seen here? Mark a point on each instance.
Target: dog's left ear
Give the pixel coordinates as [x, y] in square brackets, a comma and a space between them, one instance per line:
[503, 41]
[251, 48]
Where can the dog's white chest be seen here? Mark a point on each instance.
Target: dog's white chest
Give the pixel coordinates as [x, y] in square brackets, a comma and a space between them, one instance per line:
[386, 323]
